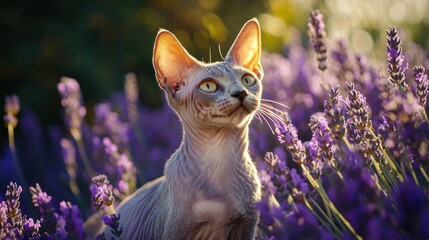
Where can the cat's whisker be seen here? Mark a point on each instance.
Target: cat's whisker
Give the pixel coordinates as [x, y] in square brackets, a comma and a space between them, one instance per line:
[275, 102]
[272, 117]
[257, 115]
[210, 54]
[220, 52]
[266, 121]
[273, 114]
[269, 106]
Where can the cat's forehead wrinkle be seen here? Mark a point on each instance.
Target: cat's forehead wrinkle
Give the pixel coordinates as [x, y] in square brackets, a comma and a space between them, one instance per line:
[222, 70]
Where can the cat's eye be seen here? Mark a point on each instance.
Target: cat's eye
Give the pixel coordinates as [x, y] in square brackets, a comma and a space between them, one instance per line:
[208, 86]
[248, 80]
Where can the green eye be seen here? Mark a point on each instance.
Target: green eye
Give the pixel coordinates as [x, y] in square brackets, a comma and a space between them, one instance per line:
[208, 86]
[248, 80]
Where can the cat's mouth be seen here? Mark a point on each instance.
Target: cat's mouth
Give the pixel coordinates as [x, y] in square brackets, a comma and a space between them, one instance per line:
[239, 109]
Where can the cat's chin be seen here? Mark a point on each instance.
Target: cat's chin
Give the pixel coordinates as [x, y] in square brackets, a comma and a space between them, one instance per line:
[237, 117]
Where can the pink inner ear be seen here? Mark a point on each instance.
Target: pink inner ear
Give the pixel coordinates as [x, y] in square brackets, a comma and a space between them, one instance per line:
[171, 61]
[246, 49]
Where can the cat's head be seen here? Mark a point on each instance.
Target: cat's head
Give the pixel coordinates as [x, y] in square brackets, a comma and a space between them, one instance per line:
[213, 95]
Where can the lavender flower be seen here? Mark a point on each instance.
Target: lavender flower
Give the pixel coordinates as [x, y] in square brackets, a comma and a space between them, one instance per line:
[132, 95]
[334, 114]
[12, 108]
[359, 121]
[13, 193]
[31, 229]
[287, 135]
[73, 220]
[42, 202]
[101, 192]
[323, 137]
[395, 59]
[317, 35]
[117, 166]
[412, 210]
[113, 222]
[3, 215]
[287, 182]
[71, 100]
[109, 125]
[69, 158]
[422, 82]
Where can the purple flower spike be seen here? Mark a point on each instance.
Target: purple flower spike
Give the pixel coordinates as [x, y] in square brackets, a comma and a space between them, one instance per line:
[12, 105]
[395, 60]
[12, 108]
[31, 229]
[287, 135]
[101, 191]
[71, 100]
[69, 158]
[3, 215]
[13, 193]
[132, 95]
[334, 114]
[422, 82]
[73, 220]
[42, 202]
[317, 35]
[113, 222]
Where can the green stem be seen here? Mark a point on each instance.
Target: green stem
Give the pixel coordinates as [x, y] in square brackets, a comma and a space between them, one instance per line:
[391, 163]
[329, 202]
[331, 226]
[424, 173]
[21, 177]
[81, 148]
[425, 116]
[409, 166]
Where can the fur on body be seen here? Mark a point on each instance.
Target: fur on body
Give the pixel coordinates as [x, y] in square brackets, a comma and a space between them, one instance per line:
[210, 188]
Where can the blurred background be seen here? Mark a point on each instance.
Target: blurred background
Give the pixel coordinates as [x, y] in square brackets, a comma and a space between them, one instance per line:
[98, 42]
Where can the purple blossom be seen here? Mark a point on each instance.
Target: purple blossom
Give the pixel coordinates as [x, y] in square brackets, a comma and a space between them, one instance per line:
[109, 125]
[132, 95]
[335, 114]
[395, 59]
[42, 202]
[113, 222]
[69, 158]
[422, 82]
[117, 166]
[317, 35]
[71, 100]
[13, 193]
[12, 105]
[73, 220]
[3, 215]
[31, 229]
[412, 207]
[287, 135]
[101, 192]
[12, 108]
[323, 138]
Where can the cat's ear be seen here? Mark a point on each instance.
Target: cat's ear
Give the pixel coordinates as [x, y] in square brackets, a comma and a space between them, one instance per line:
[172, 63]
[246, 49]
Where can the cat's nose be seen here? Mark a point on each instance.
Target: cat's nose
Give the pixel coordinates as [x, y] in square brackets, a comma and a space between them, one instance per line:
[241, 95]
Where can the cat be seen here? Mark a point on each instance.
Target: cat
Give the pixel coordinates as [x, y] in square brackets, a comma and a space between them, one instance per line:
[211, 186]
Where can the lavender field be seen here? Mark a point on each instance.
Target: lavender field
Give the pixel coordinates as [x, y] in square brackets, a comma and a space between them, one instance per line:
[345, 157]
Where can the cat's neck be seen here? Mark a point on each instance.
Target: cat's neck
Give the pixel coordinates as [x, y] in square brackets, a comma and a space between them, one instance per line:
[209, 160]
[215, 145]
